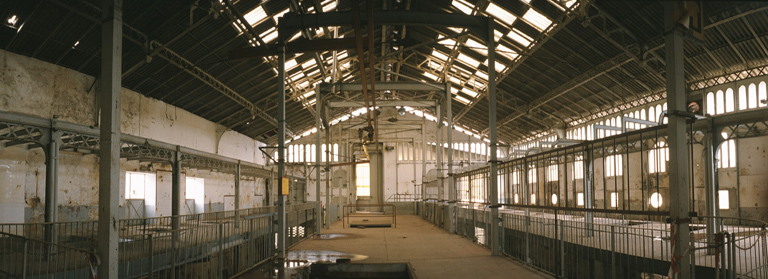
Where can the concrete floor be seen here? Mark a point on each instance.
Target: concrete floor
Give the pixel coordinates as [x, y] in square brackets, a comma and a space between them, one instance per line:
[432, 252]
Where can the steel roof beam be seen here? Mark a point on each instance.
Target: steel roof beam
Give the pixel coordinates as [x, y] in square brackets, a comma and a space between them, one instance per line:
[585, 77]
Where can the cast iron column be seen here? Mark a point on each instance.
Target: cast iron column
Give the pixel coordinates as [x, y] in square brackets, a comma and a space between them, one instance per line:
[52, 184]
[678, 151]
[281, 152]
[109, 141]
[451, 185]
[495, 229]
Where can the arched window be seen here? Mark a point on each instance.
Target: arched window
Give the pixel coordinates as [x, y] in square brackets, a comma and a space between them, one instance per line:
[742, 97]
[752, 96]
[727, 155]
[652, 114]
[762, 95]
[729, 107]
[642, 114]
[335, 152]
[658, 157]
[710, 103]
[719, 102]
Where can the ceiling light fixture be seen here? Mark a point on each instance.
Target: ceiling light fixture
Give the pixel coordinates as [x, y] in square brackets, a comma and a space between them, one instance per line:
[401, 111]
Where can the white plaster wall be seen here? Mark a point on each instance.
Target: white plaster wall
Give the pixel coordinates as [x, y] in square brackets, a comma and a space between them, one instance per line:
[41, 89]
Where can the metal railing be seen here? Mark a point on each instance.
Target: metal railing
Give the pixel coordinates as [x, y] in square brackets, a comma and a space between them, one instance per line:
[23, 257]
[385, 213]
[211, 245]
[573, 243]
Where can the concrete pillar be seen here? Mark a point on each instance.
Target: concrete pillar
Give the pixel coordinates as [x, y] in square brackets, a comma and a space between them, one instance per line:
[451, 185]
[52, 184]
[109, 141]
[495, 221]
[377, 178]
[237, 194]
[679, 187]
[281, 152]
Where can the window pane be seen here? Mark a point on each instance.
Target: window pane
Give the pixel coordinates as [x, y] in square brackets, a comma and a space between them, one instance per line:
[742, 97]
[729, 100]
[719, 102]
[363, 179]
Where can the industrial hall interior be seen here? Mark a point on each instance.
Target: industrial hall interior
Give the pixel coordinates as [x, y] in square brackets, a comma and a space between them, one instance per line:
[383, 139]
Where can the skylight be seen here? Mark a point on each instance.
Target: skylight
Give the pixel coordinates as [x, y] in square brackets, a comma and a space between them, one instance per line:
[435, 66]
[497, 35]
[462, 5]
[506, 52]
[290, 64]
[476, 46]
[439, 55]
[269, 35]
[468, 60]
[430, 76]
[461, 99]
[482, 75]
[538, 20]
[520, 37]
[499, 67]
[255, 16]
[500, 14]
[278, 15]
[329, 5]
[471, 93]
[309, 64]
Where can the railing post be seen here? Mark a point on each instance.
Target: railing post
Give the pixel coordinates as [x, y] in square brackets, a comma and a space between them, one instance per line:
[733, 255]
[613, 251]
[724, 252]
[527, 236]
[693, 256]
[24, 265]
[765, 252]
[562, 251]
[151, 256]
[221, 251]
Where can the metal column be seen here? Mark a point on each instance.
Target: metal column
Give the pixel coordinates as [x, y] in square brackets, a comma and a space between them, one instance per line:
[678, 151]
[439, 152]
[711, 186]
[175, 207]
[52, 184]
[109, 141]
[589, 190]
[423, 155]
[451, 185]
[280, 152]
[318, 151]
[328, 193]
[237, 195]
[495, 229]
